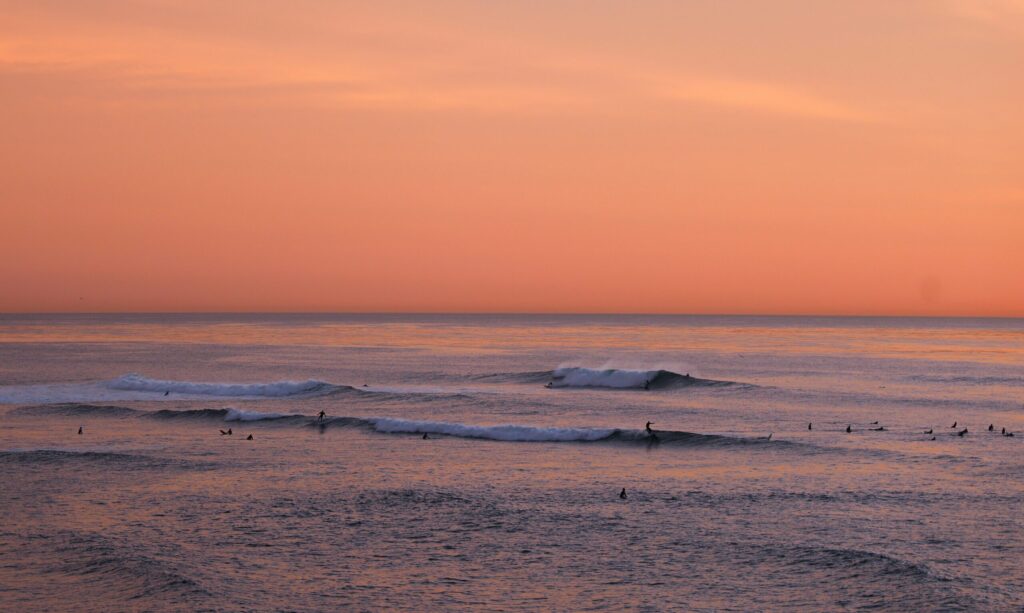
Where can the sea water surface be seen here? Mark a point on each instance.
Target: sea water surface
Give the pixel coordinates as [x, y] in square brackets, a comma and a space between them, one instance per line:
[534, 425]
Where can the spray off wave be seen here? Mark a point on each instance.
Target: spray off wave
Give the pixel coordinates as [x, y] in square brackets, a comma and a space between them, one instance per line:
[621, 378]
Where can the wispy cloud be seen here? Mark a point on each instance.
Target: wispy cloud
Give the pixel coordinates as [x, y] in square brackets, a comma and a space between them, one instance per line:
[764, 97]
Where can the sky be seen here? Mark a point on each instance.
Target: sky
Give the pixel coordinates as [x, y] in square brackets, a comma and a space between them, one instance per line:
[776, 157]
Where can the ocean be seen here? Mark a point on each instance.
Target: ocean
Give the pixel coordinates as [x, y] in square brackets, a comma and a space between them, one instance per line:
[479, 462]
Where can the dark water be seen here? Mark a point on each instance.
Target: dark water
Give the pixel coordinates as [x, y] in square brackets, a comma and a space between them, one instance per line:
[512, 502]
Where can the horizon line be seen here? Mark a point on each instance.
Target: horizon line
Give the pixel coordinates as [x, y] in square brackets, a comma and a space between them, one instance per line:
[523, 313]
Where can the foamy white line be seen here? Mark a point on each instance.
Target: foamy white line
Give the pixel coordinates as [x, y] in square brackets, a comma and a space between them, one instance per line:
[138, 383]
[240, 415]
[507, 432]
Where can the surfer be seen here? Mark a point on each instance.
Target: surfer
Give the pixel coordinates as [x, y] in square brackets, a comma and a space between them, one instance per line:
[848, 429]
[1008, 434]
[223, 433]
[991, 428]
[622, 494]
[549, 384]
[808, 426]
[954, 425]
[770, 435]
[962, 432]
[320, 417]
[248, 438]
[1004, 430]
[167, 393]
[929, 430]
[425, 437]
[647, 428]
[879, 428]
[79, 429]
[647, 384]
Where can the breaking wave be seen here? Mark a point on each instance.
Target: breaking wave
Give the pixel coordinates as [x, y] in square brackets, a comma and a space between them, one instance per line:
[221, 414]
[521, 433]
[508, 432]
[621, 378]
[278, 389]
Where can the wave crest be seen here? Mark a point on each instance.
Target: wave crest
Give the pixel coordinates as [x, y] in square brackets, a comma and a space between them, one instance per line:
[277, 389]
[507, 432]
[622, 378]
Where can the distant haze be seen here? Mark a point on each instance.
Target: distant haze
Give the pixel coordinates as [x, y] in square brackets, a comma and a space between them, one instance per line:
[697, 157]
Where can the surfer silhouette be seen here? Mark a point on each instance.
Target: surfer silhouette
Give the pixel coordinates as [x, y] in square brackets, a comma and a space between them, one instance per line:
[248, 438]
[320, 417]
[167, 393]
[647, 384]
[991, 427]
[425, 437]
[622, 494]
[647, 428]
[808, 426]
[848, 429]
[79, 429]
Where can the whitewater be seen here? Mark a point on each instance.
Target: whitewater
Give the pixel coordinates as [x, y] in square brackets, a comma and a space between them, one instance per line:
[459, 462]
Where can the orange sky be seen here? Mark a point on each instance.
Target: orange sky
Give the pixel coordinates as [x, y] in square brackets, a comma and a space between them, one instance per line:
[663, 156]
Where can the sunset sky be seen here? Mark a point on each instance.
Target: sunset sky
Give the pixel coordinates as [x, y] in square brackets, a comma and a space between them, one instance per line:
[587, 156]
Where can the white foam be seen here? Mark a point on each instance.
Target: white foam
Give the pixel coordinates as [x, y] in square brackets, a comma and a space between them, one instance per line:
[277, 389]
[240, 415]
[136, 387]
[507, 432]
[578, 376]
